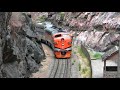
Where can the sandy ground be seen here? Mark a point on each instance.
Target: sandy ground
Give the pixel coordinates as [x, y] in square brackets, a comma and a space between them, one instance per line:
[44, 67]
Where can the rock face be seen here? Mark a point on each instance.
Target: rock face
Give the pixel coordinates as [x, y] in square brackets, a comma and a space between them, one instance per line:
[94, 27]
[98, 40]
[20, 51]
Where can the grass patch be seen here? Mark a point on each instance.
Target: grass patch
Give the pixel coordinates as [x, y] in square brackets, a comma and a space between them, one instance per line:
[86, 72]
[72, 63]
[75, 46]
[74, 52]
[81, 52]
[84, 66]
[95, 55]
[79, 66]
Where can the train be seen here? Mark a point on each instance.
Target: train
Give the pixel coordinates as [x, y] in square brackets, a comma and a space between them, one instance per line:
[56, 38]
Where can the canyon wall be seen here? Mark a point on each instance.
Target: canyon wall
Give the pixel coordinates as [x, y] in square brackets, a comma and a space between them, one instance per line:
[20, 52]
[96, 30]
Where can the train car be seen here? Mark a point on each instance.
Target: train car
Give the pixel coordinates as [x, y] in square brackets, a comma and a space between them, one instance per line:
[39, 28]
[59, 40]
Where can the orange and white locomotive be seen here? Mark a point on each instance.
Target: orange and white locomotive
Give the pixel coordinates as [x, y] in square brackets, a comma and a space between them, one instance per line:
[59, 40]
[62, 45]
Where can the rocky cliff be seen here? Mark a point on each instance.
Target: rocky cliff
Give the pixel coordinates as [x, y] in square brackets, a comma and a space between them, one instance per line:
[20, 51]
[94, 29]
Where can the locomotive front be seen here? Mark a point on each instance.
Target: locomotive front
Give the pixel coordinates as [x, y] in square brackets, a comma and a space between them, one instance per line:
[62, 45]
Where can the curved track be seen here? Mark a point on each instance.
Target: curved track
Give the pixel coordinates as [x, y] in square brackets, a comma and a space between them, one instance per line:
[60, 68]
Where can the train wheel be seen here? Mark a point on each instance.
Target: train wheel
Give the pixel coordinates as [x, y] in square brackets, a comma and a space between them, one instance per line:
[48, 43]
[42, 40]
[52, 47]
[45, 42]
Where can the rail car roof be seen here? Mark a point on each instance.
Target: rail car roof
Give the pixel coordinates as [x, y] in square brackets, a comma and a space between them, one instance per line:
[52, 30]
[45, 24]
[50, 27]
[48, 24]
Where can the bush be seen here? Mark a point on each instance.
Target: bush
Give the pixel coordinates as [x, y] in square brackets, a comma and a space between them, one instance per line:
[81, 52]
[79, 66]
[62, 14]
[42, 19]
[95, 55]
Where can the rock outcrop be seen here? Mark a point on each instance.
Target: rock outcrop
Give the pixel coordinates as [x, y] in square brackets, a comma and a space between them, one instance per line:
[96, 30]
[20, 51]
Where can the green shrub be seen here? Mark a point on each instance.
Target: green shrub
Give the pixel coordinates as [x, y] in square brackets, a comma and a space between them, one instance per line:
[72, 63]
[42, 19]
[62, 14]
[85, 66]
[95, 55]
[84, 70]
[79, 66]
[74, 52]
[81, 52]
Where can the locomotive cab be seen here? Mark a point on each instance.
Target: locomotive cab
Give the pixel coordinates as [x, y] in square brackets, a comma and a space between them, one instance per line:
[62, 45]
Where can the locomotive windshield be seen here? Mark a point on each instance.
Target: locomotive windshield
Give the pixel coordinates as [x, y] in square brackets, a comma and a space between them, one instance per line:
[54, 27]
[59, 35]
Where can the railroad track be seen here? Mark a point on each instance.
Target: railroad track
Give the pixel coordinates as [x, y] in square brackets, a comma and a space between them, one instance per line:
[60, 68]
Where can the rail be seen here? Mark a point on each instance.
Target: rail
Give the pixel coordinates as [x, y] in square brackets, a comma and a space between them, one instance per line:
[60, 68]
